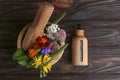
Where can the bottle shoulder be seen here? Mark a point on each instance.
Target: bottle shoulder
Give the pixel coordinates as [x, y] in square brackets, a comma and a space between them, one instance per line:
[76, 39]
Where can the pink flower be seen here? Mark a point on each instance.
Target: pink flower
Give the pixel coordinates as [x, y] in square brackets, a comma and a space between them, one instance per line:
[60, 35]
[54, 47]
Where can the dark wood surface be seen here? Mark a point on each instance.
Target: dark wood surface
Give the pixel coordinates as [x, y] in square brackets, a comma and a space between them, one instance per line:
[99, 18]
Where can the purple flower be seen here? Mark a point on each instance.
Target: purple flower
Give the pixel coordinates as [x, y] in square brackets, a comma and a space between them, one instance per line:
[54, 47]
[60, 35]
[45, 51]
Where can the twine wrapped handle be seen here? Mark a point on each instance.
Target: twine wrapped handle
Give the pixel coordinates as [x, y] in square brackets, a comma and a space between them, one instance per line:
[37, 27]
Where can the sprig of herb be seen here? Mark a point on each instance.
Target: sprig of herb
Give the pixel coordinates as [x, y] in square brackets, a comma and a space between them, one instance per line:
[59, 18]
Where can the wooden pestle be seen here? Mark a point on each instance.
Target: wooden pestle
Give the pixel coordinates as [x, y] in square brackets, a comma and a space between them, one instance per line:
[37, 27]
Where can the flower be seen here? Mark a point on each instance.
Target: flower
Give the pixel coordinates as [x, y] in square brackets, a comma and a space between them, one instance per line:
[46, 51]
[50, 36]
[60, 35]
[36, 46]
[47, 68]
[37, 62]
[52, 28]
[43, 41]
[32, 53]
[46, 58]
[54, 47]
[40, 61]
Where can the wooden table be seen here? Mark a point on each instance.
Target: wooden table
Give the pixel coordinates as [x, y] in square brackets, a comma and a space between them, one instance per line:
[99, 18]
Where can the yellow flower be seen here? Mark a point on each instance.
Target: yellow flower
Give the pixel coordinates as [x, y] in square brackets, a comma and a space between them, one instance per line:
[40, 60]
[47, 68]
[46, 58]
[37, 61]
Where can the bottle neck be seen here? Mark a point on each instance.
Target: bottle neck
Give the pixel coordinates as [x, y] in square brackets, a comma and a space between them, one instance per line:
[79, 33]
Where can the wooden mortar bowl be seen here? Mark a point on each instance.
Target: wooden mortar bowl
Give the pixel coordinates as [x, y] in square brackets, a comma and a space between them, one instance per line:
[21, 37]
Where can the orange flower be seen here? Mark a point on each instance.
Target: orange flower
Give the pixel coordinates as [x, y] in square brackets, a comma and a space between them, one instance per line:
[36, 46]
[32, 53]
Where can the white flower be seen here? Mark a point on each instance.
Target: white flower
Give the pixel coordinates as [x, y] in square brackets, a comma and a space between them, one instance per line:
[52, 28]
[50, 36]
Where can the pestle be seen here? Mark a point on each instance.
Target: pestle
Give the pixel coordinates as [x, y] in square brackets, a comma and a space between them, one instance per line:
[36, 29]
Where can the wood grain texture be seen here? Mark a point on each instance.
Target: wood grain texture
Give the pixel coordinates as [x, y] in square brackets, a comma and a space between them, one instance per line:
[99, 18]
[104, 9]
[64, 77]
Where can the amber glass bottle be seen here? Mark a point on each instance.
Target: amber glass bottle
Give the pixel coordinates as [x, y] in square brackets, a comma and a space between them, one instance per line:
[79, 48]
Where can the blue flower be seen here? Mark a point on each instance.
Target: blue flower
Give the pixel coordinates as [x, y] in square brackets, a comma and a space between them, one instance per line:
[46, 51]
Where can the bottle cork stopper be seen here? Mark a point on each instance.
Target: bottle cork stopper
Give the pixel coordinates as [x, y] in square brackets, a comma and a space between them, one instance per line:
[79, 32]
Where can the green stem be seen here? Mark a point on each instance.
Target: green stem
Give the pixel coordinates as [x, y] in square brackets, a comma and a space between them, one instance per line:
[59, 18]
[38, 50]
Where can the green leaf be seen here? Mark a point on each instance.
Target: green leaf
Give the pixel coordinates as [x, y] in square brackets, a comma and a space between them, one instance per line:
[59, 18]
[24, 63]
[22, 57]
[19, 54]
[31, 62]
